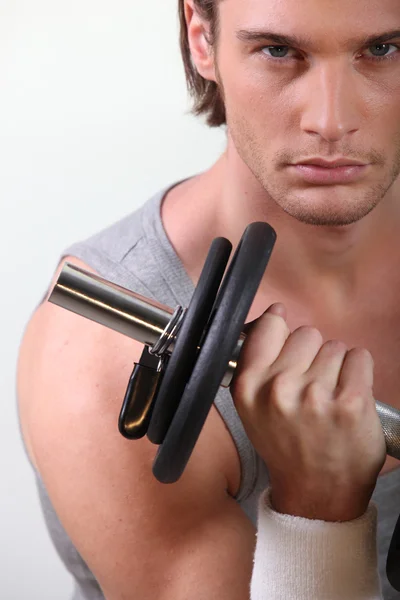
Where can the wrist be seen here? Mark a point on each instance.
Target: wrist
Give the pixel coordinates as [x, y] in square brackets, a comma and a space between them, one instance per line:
[326, 506]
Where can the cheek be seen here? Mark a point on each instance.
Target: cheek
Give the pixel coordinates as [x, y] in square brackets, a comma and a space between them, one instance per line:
[381, 126]
[390, 112]
[255, 97]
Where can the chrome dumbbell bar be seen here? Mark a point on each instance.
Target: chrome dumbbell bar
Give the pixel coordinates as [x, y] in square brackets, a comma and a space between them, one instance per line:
[129, 313]
[157, 325]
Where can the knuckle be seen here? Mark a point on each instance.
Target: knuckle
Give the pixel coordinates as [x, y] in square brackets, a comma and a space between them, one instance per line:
[281, 389]
[362, 354]
[351, 397]
[281, 383]
[311, 333]
[350, 405]
[314, 395]
[335, 347]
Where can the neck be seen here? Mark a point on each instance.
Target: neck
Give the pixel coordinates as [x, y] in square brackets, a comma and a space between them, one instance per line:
[340, 260]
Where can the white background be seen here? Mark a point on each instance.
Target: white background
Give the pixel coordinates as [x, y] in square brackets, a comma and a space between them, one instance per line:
[93, 121]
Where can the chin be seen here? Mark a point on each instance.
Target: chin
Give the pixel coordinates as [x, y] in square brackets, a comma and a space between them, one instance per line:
[327, 216]
[327, 206]
[325, 220]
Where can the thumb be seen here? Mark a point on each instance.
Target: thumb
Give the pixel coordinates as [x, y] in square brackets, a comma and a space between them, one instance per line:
[278, 309]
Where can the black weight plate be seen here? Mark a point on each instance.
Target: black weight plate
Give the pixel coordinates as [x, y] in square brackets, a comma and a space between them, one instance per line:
[184, 354]
[393, 559]
[232, 306]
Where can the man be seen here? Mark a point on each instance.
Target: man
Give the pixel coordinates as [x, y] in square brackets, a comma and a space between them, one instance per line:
[310, 94]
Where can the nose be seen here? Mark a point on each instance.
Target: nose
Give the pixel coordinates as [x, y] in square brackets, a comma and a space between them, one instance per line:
[331, 107]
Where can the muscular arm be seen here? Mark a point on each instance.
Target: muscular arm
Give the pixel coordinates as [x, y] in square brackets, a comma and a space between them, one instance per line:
[147, 540]
[139, 537]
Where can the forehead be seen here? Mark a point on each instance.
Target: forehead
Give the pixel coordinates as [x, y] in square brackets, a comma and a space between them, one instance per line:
[321, 20]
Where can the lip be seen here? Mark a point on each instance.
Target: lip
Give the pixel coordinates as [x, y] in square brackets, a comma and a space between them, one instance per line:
[323, 175]
[338, 162]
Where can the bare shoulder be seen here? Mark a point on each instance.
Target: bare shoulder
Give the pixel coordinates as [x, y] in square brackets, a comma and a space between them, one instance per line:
[72, 376]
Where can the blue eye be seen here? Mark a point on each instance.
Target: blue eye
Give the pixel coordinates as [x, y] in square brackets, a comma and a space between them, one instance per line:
[277, 51]
[383, 50]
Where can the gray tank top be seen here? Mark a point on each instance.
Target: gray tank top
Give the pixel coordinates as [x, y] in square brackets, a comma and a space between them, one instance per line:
[136, 253]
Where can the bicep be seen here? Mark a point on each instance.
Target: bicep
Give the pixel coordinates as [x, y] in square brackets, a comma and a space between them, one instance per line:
[139, 537]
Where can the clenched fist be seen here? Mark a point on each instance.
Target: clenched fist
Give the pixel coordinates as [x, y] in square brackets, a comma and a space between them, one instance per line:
[308, 409]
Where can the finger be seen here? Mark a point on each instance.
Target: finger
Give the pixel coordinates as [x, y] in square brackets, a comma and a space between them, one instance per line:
[277, 309]
[327, 365]
[299, 351]
[264, 342]
[357, 370]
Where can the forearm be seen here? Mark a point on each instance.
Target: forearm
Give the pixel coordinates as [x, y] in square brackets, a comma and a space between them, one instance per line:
[303, 559]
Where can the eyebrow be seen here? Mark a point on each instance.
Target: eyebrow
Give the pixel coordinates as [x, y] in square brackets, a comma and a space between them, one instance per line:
[256, 35]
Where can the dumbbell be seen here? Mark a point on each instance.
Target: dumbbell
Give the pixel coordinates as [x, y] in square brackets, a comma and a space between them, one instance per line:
[188, 353]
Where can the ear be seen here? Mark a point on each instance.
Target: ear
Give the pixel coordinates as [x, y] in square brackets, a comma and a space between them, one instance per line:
[198, 36]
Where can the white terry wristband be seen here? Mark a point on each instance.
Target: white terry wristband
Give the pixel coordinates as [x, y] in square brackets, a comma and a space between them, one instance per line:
[304, 559]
